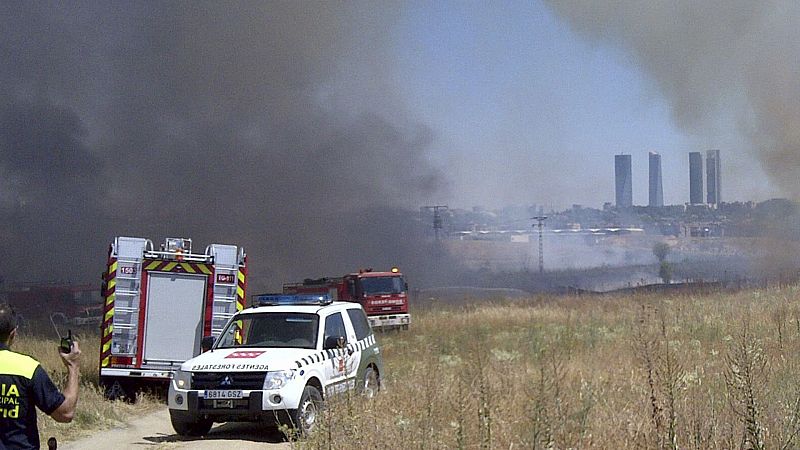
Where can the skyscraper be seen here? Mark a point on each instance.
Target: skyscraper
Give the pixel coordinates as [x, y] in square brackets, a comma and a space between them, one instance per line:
[713, 175]
[695, 178]
[656, 188]
[622, 178]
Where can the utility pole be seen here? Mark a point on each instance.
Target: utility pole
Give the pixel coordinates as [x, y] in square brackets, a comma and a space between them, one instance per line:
[540, 220]
[437, 218]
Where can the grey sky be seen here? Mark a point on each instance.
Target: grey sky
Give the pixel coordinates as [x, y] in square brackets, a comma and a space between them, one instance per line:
[305, 128]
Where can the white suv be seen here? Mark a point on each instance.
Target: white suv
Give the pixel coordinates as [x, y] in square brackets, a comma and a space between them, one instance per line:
[276, 363]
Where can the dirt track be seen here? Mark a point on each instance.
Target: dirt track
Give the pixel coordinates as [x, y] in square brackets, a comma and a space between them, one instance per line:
[155, 431]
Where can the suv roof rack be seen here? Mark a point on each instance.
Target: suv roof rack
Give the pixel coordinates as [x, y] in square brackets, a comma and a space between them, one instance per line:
[292, 299]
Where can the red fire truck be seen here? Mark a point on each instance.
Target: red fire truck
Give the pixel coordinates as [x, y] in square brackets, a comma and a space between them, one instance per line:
[383, 295]
[160, 305]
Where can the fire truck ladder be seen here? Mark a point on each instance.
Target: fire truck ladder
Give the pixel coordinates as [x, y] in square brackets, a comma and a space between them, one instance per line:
[224, 303]
[226, 267]
[126, 305]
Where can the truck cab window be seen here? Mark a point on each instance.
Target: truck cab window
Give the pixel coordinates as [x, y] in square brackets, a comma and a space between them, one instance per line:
[383, 285]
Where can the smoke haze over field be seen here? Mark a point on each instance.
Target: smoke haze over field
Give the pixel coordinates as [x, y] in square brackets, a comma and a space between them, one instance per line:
[270, 125]
[311, 132]
[720, 64]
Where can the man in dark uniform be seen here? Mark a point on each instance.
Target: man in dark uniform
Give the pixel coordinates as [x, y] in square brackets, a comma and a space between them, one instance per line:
[24, 386]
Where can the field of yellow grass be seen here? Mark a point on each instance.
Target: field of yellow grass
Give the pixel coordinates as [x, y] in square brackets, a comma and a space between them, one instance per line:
[707, 371]
[704, 371]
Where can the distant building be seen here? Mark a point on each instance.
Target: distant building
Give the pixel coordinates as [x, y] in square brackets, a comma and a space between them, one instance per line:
[656, 188]
[695, 178]
[713, 175]
[623, 182]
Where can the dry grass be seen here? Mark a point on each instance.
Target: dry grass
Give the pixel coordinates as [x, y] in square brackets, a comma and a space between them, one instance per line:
[711, 371]
[94, 412]
[699, 372]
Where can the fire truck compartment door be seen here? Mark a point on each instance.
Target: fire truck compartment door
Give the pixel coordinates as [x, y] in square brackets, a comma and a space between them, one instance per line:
[174, 324]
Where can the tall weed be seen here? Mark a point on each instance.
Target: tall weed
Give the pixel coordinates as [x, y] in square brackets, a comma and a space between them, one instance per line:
[652, 371]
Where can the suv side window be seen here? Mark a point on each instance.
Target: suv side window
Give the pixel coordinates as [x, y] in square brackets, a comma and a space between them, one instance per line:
[334, 326]
[360, 323]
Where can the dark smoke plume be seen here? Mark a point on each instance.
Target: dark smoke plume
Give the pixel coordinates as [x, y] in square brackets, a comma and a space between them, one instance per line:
[273, 125]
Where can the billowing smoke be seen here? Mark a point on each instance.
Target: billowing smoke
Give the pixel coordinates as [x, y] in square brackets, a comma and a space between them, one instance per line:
[720, 64]
[273, 125]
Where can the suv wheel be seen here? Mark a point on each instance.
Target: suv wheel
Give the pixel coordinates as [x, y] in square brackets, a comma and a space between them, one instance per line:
[185, 424]
[309, 412]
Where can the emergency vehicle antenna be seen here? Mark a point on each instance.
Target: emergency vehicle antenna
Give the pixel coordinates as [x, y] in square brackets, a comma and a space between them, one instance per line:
[54, 325]
[65, 343]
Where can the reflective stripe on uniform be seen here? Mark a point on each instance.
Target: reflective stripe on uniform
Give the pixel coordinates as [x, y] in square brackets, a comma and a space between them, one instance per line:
[16, 364]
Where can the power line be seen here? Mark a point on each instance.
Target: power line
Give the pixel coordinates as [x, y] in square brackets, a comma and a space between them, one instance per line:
[437, 218]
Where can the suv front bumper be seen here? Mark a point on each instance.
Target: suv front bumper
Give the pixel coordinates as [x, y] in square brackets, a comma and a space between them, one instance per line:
[389, 321]
[249, 409]
[193, 400]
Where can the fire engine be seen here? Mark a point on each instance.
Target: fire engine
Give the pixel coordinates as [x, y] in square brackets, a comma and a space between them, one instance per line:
[383, 295]
[161, 306]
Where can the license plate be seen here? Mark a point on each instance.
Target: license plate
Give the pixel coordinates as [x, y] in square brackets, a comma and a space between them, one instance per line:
[223, 403]
[224, 394]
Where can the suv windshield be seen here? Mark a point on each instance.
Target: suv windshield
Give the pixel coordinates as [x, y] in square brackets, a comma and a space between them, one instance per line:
[382, 285]
[292, 330]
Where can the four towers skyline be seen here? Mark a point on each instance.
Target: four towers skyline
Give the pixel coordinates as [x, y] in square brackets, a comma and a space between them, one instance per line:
[624, 185]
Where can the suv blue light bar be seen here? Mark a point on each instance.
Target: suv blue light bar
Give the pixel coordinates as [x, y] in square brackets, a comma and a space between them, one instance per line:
[292, 299]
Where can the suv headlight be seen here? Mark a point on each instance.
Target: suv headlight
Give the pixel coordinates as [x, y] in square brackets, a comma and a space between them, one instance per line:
[183, 380]
[278, 379]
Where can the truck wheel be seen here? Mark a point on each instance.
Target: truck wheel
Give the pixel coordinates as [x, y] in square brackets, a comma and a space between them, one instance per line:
[187, 425]
[372, 383]
[308, 413]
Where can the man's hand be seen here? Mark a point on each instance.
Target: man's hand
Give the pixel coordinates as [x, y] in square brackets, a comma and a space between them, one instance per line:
[71, 359]
[66, 411]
